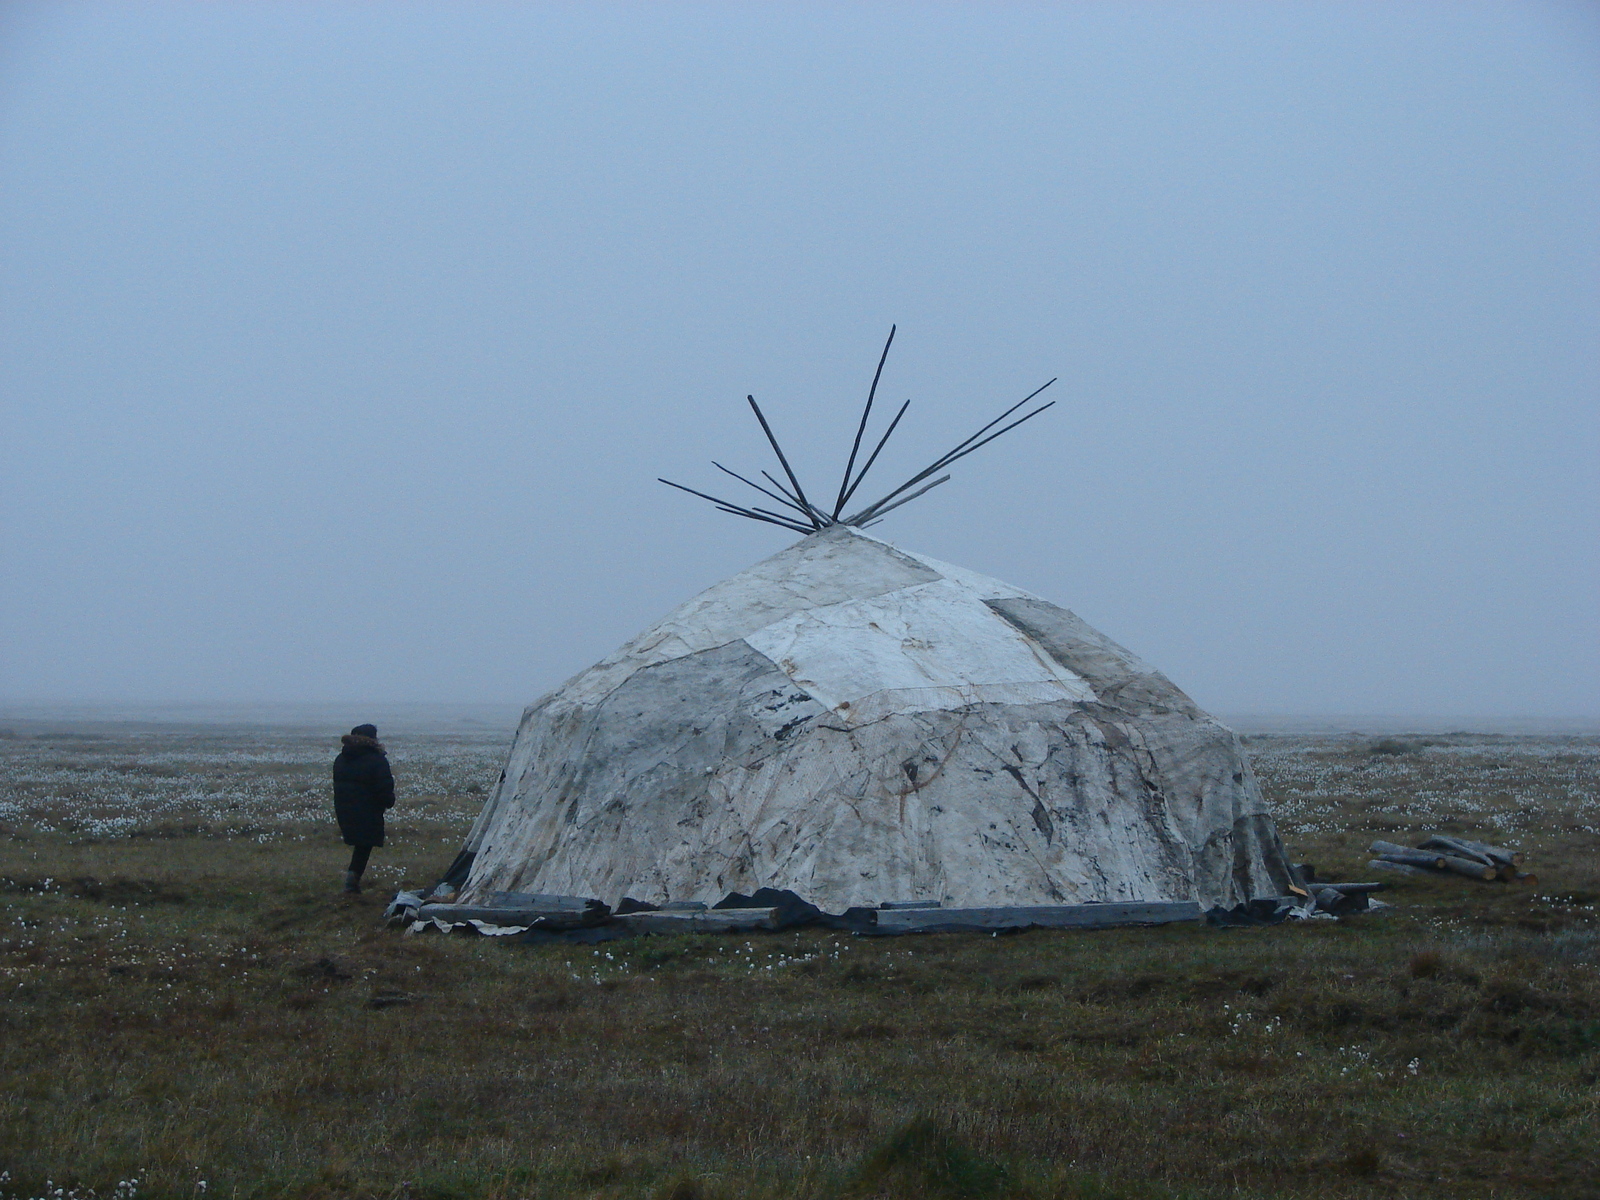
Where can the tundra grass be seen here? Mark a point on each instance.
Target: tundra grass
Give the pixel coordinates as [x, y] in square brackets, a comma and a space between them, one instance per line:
[187, 1003]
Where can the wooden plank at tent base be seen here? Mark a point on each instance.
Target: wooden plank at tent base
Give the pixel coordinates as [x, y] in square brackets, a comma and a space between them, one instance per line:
[537, 902]
[1049, 916]
[1350, 889]
[545, 918]
[714, 920]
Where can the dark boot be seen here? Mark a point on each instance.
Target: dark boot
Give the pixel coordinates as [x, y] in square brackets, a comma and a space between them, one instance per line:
[352, 881]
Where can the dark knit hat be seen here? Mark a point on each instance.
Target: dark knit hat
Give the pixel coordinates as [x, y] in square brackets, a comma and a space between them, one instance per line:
[370, 731]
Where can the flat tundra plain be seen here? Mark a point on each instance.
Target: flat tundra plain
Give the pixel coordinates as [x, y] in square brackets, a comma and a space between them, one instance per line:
[191, 1008]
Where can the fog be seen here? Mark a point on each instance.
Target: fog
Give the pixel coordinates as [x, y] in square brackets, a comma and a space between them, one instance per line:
[343, 344]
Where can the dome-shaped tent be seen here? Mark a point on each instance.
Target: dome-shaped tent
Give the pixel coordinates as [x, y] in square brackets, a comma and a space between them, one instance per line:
[860, 724]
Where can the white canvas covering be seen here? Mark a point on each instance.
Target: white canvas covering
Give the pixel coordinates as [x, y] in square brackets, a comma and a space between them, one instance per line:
[858, 725]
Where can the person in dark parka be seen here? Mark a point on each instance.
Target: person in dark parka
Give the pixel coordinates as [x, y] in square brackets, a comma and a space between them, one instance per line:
[363, 790]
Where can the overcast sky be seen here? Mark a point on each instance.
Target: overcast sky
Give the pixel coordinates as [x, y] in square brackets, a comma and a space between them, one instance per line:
[342, 344]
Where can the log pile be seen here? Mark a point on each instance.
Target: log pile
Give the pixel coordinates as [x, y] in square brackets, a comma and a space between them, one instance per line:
[1441, 855]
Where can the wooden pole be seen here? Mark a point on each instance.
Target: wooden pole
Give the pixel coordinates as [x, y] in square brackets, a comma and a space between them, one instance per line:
[767, 475]
[816, 517]
[861, 429]
[726, 505]
[884, 441]
[784, 500]
[908, 499]
[777, 515]
[958, 453]
[811, 512]
[1003, 416]
[740, 512]
[950, 458]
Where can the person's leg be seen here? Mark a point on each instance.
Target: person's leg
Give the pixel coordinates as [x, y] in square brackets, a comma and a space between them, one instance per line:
[358, 864]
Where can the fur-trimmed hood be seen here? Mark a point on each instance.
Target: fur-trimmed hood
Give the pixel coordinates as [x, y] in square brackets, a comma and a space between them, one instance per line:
[357, 743]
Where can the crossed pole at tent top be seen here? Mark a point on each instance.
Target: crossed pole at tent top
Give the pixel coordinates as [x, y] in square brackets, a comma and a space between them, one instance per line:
[802, 516]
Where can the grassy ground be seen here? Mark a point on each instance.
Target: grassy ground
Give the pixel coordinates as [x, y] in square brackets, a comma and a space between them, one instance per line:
[189, 1004]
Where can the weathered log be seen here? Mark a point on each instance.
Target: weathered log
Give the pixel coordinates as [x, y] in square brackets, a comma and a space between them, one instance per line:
[1456, 847]
[716, 920]
[1509, 857]
[543, 918]
[1527, 878]
[1050, 916]
[1427, 860]
[1405, 854]
[1350, 889]
[541, 902]
[1399, 868]
[1470, 867]
[1432, 864]
[1341, 898]
[1332, 900]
